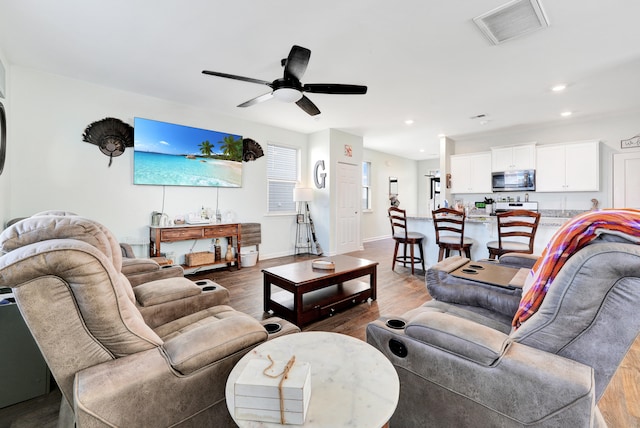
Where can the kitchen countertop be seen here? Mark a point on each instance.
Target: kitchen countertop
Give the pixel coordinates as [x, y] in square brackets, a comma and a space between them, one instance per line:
[548, 217]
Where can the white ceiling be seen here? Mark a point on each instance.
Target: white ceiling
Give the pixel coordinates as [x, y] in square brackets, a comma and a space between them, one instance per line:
[421, 59]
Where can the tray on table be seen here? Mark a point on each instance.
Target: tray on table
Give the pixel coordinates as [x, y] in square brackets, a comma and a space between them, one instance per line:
[492, 273]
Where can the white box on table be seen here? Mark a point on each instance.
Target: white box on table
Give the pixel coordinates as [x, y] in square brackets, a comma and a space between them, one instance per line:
[257, 396]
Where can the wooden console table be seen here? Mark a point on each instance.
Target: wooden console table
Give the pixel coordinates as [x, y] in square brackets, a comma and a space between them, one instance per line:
[186, 232]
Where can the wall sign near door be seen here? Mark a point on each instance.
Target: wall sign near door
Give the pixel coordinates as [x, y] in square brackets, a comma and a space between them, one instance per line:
[631, 142]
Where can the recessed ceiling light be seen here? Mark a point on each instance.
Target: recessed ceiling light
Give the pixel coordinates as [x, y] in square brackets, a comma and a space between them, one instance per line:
[421, 150]
[484, 122]
[566, 113]
[559, 87]
[409, 121]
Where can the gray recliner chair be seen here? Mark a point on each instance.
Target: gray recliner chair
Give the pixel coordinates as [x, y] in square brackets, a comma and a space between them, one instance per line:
[495, 302]
[113, 367]
[460, 366]
[161, 295]
[137, 270]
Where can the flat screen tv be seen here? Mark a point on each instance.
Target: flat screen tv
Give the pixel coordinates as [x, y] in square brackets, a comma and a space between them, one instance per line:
[167, 154]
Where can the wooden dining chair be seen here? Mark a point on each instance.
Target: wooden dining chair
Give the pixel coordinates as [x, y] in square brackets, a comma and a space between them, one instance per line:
[516, 223]
[449, 226]
[401, 235]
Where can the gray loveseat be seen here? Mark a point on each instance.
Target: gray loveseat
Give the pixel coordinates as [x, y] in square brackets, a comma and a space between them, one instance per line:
[463, 365]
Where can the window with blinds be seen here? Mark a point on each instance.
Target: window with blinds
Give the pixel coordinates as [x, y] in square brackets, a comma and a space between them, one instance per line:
[282, 176]
[366, 186]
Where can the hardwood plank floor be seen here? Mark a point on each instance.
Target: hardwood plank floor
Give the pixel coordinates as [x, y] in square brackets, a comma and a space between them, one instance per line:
[398, 292]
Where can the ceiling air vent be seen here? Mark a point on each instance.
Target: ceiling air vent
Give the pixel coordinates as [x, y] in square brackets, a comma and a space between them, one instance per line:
[511, 20]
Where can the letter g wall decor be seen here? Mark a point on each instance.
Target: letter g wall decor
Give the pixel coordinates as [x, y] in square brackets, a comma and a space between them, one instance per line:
[319, 177]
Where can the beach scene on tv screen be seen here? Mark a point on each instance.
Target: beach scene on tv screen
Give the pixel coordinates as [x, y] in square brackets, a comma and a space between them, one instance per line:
[176, 155]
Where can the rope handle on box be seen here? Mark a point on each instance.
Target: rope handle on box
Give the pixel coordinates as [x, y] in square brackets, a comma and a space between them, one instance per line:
[285, 375]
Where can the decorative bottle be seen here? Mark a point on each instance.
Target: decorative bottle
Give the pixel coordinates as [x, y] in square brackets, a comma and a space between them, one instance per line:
[229, 256]
[217, 250]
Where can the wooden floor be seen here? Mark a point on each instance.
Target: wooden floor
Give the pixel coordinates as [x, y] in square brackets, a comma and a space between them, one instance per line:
[398, 291]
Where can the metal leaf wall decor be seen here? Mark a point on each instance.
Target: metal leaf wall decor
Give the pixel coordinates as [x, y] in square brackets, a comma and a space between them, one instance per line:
[111, 135]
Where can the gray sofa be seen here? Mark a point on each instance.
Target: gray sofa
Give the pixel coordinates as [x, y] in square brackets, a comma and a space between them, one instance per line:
[461, 364]
[115, 365]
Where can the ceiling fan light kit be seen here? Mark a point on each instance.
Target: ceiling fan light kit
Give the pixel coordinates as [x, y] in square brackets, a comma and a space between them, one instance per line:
[288, 88]
[287, 95]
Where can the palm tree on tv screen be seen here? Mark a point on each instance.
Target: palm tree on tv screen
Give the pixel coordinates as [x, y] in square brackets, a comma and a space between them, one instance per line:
[205, 148]
[232, 148]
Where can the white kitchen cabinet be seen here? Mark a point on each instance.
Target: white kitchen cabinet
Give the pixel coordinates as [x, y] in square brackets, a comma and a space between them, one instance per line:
[573, 167]
[513, 158]
[471, 173]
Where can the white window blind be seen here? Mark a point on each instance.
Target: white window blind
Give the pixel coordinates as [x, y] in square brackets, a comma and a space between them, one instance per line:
[366, 185]
[282, 176]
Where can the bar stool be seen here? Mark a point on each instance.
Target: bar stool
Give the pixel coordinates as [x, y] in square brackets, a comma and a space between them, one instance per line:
[451, 222]
[521, 223]
[401, 235]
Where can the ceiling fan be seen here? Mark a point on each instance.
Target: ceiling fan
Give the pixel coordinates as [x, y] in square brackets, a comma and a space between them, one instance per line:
[289, 88]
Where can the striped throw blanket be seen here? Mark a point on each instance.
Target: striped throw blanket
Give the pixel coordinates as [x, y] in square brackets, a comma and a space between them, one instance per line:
[571, 237]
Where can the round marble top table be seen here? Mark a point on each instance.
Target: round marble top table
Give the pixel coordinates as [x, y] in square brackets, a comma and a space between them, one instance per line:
[352, 383]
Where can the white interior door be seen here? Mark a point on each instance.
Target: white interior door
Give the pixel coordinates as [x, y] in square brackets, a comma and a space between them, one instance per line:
[348, 208]
[626, 180]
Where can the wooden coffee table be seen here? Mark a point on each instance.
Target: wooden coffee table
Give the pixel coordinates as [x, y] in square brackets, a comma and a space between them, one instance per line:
[307, 293]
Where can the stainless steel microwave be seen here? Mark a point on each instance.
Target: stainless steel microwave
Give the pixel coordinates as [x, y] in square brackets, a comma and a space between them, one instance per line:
[513, 181]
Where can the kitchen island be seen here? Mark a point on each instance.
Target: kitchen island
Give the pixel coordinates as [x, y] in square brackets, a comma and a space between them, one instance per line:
[481, 228]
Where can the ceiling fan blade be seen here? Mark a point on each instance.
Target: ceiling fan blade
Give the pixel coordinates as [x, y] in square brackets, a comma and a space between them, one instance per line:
[234, 77]
[257, 100]
[334, 88]
[307, 105]
[296, 64]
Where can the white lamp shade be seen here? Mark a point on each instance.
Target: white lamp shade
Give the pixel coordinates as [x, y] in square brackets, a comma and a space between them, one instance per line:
[302, 194]
[287, 95]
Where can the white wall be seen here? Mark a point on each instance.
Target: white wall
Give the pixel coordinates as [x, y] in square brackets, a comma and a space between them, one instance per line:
[320, 150]
[52, 168]
[329, 146]
[425, 204]
[375, 224]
